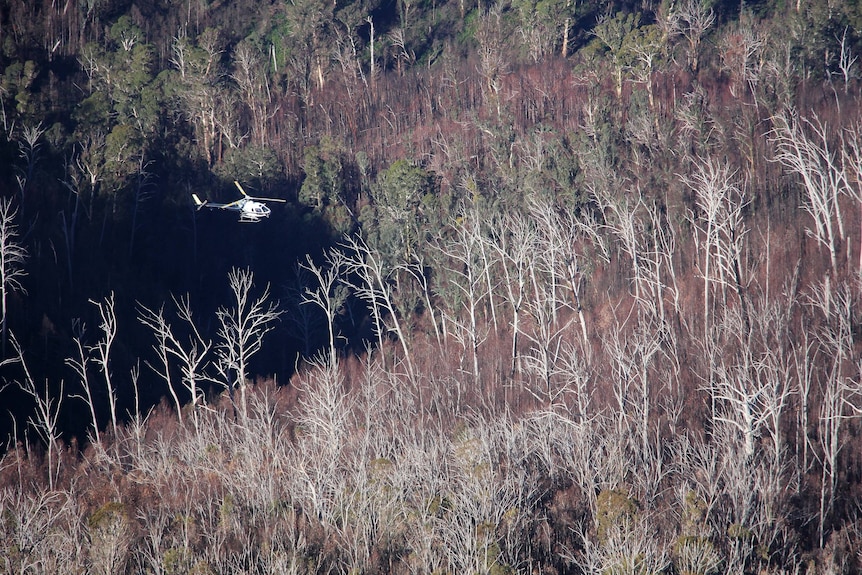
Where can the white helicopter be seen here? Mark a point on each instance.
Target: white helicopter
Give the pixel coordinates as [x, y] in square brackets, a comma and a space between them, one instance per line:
[250, 209]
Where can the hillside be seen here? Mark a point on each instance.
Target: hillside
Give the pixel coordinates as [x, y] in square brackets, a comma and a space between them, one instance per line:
[556, 287]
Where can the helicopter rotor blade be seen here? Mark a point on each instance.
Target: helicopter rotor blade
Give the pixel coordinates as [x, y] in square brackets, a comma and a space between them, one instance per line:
[244, 193]
[240, 188]
[234, 204]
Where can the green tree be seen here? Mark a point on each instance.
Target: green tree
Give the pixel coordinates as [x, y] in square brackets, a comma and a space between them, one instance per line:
[618, 35]
[16, 88]
[196, 87]
[324, 188]
[405, 203]
[255, 163]
[310, 43]
[545, 24]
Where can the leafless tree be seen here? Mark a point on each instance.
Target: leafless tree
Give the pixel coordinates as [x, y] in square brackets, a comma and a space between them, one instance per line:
[697, 555]
[155, 524]
[46, 419]
[156, 322]
[404, 56]
[191, 356]
[742, 56]
[631, 546]
[99, 354]
[330, 295]
[304, 318]
[634, 377]
[721, 231]
[143, 193]
[82, 176]
[242, 329]
[516, 244]
[253, 83]
[852, 161]
[648, 241]
[12, 258]
[544, 334]
[28, 150]
[823, 178]
[325, 409]
[81, 365]
[489, 497]
[102, 352]
[741, 395]
[573, 370]
[593, 453]
[422, 478]
[466, 273]
[33, 530]
[840, 393]
[648, 50]
[418, 268]
[700, 466]
[377, 289]
[202, 97]
[692, 20]
[846, 61]
[559, 255]
[805, 370]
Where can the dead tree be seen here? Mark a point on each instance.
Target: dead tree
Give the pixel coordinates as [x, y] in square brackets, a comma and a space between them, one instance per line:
[559, 236]
[155, 321]
[634, 358]
[692, 19]
[824, 180]
[329, 295]
[241, 331]
[466, 272]
[852, 160]
[191, 356]
[377, 289]
[649, 240]
[516, 245]
[81, 365]
[840, 391]
[720, 233]
[743, 411]
[46, 419]
[28, 150]
[99, 354]
[102, 352]
[12, 258]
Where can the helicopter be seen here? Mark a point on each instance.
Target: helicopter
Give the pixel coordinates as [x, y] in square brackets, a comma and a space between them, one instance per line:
[250, 209]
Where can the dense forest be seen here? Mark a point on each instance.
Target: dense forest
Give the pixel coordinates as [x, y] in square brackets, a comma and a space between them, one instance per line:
[557, 286]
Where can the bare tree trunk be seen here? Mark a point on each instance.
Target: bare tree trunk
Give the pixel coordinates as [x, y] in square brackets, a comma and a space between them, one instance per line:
[103, 347]
[378, 290]
[12, 257]
[327, 297]
[823, 179]
[241, 331]
[47, 417]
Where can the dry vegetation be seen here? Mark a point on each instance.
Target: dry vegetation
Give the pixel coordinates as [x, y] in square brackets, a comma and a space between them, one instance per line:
[661, 410]
[594, 314]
